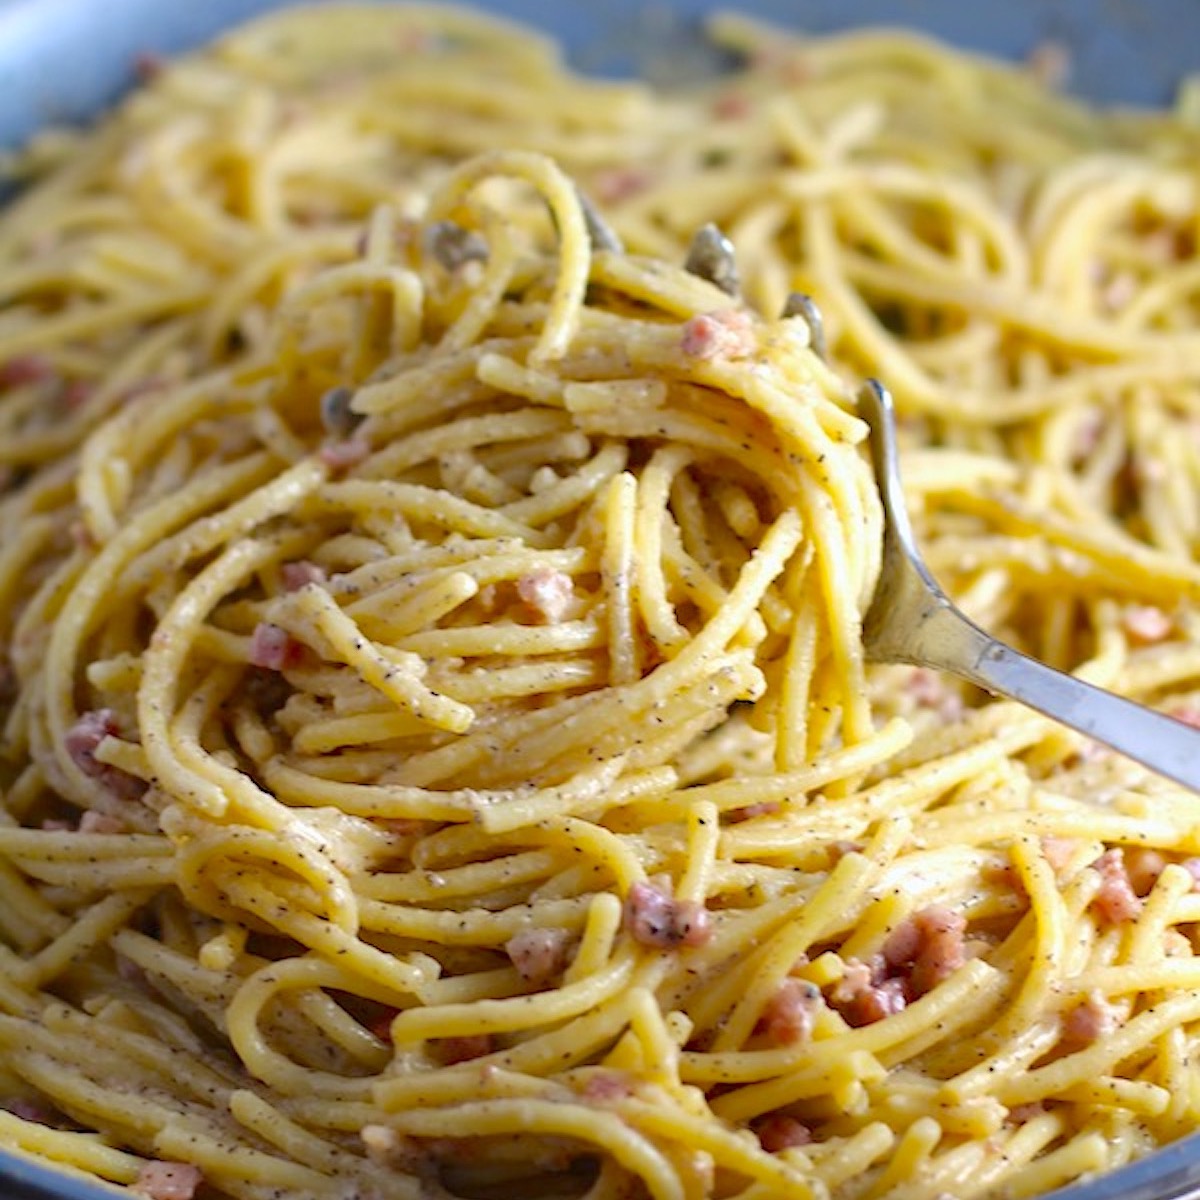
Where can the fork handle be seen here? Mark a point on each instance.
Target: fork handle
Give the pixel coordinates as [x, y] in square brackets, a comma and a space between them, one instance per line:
[950, 641]
[912, 620]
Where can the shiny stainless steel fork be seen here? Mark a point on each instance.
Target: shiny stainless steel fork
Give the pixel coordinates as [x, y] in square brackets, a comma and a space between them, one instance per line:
[911, 620]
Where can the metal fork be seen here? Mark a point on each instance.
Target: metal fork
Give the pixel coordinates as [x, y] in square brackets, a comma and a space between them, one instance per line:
[911, 620]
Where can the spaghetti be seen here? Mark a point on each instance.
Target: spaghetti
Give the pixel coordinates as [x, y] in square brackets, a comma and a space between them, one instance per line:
[438, 754]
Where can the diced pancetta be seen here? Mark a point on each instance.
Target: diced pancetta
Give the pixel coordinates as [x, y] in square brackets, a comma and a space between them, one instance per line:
[28, 1110]
[76, 393]
[840, 847]
[1146, 623]
[1192, 866]
[296, 575]
[732, 105]
[1087, 436]
[547, 592]
[99, 822]
[404, 826]
[1020, 1113]
[1089, 1021]
[83, 740]
[920, 952]
[615, 184]
[26, 368]
[148, 66]
[1116, 901]
[1189, 714]
[1050, 63]
[1143, 866]
[865, 994]
[655, 918]
[788, 1016]
[381, 1024]
[462, 1049]
[762, 808]
[928, 947]
[81, 535]
[728, 333]
[85, 736]
[341, 456]
[778, 1131]
[930, 690]
[538, 954]
[1118, 291]
[1059, 851]
[605, 1086]
[1003, 873]
[128, 970]
[168, 1181]
[274, 648]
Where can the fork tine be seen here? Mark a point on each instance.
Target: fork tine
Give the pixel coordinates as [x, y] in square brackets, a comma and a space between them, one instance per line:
[451, 245]
[711, 256]
[904, 578]
[600, 232]
[802, 305]
[878, 409]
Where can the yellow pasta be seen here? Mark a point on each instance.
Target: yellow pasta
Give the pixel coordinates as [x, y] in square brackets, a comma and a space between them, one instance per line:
[438, 756]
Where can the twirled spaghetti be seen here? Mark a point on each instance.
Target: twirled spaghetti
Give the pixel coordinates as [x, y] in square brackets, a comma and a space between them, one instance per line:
[439, 757]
